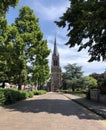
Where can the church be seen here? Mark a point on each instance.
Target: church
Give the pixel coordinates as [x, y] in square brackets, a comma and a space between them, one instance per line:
[56, 79]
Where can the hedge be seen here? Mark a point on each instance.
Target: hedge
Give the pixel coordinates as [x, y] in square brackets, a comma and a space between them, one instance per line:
[9, 96]
[39, 92]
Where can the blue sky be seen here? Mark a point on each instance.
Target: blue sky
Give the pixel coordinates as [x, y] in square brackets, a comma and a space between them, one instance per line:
[48, 11]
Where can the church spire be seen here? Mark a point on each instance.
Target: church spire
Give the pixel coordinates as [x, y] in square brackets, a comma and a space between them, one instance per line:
[55, 69]
[55, 51]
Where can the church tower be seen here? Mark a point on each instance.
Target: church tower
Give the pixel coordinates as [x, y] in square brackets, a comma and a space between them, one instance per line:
[55, 69]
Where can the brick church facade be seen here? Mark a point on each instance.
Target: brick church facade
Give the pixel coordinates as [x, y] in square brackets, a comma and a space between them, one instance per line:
[55, 69]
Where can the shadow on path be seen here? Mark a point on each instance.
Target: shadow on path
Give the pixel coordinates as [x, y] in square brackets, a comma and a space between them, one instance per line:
[53, 106]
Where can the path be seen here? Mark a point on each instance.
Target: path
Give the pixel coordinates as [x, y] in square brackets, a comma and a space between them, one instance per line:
[51, 111]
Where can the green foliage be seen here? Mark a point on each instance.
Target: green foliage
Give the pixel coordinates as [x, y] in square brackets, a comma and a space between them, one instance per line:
[39, 92]
[72, 77]
[73, 71]
[36, 92]
[86, 21]
[9, 96]
[12, 56]
[31, 94]
[90, 82]
[23, 52]
[100, 78]
[2, 97]
[42, 92]
[5, 4]
[35, 48]
[24, 94]
[27, 94]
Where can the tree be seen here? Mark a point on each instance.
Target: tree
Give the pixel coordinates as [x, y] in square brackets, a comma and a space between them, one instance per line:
[23, 52]
[11, 55]
[72, 77]
[4, 31]
[5, 4]
[3, 28]
[90, 82]
[73, 71]
[34, 49]
[86, 21]
[99, 77]
[101, 80]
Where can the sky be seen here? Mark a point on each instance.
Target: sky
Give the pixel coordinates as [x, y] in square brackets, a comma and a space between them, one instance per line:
[49, 11]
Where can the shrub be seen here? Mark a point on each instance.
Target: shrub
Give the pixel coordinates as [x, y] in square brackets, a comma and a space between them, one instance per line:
[9, 96]
[31, 94]
[39, 92]
[42, 92]
[35, 92]
[25, 94]
[90, 82]
[2, 97]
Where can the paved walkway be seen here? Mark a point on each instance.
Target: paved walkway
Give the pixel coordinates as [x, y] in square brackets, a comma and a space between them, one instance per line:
[96, 107]
[51, 111]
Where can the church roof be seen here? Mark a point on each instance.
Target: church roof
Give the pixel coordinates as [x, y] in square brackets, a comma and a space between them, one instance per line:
[55, 51]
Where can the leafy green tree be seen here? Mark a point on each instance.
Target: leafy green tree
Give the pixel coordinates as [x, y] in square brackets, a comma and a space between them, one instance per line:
[75, 83]
[23, 52]
[3, 28]
[17, 58]
[73, 71]
[86, 22]
[11, 56]
[72, 77]
[99, 77]
[5, 4]
[101, 80]
[90, 82]
[34, 49]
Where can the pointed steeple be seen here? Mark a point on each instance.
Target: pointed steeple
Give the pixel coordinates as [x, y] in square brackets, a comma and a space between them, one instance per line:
[55, 51]
[55, 69]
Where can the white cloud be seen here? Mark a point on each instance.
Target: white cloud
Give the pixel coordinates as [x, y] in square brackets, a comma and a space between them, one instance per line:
[48, 13]
[70, 55]
[52, 12]
[67, 55]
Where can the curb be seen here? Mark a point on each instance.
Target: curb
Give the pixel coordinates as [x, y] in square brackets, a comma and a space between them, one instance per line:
[85, 106]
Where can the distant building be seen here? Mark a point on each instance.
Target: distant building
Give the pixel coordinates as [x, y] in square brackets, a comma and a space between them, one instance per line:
[55, 69]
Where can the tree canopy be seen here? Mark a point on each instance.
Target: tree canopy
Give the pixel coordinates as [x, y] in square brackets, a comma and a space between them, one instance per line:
[35, 50]
[73, 71]
[86, 22]
[101, 80]
[90, 82]
[72, 77]
[5, 56]
[23, 51]
[5, 4]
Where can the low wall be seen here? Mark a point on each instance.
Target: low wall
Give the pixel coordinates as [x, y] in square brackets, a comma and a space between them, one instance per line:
[102, 98]
[96, 96]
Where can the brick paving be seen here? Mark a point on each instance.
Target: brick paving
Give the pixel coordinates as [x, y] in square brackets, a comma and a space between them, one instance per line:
[51, 111]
